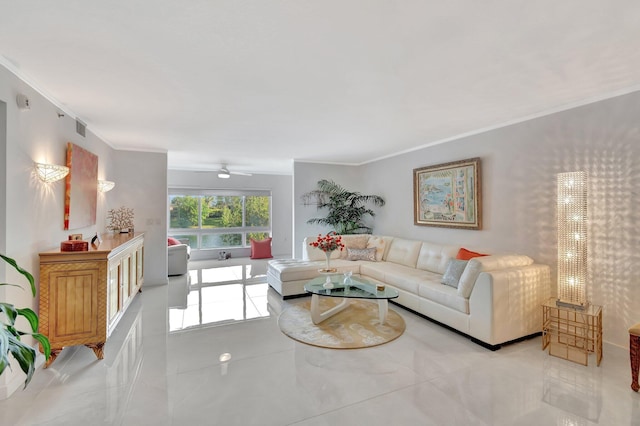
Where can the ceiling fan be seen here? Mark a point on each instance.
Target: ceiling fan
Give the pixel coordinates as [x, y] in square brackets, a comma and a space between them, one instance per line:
[224, 173]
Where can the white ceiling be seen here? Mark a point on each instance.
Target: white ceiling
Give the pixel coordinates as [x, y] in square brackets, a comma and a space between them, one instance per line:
[257, 84]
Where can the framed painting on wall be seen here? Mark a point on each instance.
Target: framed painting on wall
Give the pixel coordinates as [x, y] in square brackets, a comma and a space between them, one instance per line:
[81, 188]
[448, 195]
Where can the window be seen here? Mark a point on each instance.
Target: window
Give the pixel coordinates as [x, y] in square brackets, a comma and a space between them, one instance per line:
[215, 219]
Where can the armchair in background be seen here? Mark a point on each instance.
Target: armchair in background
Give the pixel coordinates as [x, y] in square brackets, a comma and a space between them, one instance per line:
[178, 257]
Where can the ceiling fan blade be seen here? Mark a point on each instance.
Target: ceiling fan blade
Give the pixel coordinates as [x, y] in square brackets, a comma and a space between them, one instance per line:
[225, 173]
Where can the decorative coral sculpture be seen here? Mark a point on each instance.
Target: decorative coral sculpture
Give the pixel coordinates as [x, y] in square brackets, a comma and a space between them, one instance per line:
[120, 219]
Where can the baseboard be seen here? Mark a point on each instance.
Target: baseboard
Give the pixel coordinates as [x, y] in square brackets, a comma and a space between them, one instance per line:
[16, 379]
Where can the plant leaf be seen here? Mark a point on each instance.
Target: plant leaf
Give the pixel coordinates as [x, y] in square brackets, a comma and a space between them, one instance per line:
[10, 342]
[27, 275]
[31, 317]
[46, 346]
[26, 357]
[10, 311]
[4, 349]
[12, 285]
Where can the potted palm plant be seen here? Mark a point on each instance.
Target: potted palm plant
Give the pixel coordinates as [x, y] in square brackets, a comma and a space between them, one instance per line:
[346, 208]
[10, 342]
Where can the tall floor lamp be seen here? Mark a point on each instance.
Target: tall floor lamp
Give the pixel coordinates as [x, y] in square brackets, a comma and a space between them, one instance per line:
[572, 240]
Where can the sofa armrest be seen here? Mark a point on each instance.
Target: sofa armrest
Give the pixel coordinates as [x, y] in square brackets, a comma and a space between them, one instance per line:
[506, 304]
[177, 249]
[178, 259]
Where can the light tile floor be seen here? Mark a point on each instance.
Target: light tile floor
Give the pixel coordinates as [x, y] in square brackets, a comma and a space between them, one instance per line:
[214, 355]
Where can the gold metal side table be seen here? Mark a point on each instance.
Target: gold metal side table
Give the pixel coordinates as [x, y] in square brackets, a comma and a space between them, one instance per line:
[570, 333]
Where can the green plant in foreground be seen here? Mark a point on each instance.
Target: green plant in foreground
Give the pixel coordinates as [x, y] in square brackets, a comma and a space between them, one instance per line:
[10, 342]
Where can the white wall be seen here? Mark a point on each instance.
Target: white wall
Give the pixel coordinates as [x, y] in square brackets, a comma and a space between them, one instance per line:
[141, 184]
[519, 165]
[281, 192]
[3, 187]
[306, 177]
[31, 213]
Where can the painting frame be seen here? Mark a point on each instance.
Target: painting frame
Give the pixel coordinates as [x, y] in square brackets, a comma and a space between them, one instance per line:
[448, 195]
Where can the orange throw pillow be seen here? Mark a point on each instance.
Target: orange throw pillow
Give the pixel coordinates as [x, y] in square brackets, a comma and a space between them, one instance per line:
[464, 254]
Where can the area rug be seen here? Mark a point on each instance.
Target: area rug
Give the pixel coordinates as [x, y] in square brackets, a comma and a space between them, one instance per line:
[357, 326]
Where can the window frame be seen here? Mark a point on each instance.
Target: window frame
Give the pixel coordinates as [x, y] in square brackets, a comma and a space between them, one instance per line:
[199, 232]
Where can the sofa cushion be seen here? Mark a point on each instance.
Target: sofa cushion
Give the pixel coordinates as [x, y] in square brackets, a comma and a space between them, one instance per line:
[314, 253]
[400, 276]
[374, 270]
[404, 278]
[444, 295]
[261, 249]
[357, 241]
[454, 271]
[368, 254]
[173, 241]
[296, 270]
[379, 244]
[434, 257]
[404, 252]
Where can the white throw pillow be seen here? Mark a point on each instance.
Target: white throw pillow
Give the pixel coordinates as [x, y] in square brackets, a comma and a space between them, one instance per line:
[379, 244]
[368, 254]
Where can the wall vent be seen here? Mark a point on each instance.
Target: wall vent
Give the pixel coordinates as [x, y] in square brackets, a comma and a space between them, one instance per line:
[81, 128]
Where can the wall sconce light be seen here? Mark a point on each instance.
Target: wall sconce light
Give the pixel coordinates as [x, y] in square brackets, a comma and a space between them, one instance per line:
[572, 240]
[49, 173]
[105, 185]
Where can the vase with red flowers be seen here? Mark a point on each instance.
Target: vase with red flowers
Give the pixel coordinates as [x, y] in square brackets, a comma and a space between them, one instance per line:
[328, 244]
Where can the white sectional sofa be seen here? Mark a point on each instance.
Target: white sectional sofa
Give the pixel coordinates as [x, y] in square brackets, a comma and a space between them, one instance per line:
[497, 299]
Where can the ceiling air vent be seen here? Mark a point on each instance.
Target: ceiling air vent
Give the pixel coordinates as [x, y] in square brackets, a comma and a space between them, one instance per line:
[81, 128]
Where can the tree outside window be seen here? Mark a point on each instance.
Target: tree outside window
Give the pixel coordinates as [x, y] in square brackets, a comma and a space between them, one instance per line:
[201, 218]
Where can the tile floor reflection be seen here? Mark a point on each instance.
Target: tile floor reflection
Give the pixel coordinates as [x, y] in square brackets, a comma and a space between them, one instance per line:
[207, 350]
[214, 293]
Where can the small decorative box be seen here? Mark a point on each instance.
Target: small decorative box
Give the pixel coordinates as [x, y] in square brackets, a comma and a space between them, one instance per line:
[74, 245]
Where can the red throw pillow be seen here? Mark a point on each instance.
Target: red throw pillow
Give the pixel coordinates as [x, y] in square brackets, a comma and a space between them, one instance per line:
[172, 241]
[464, 254]
[261, 249]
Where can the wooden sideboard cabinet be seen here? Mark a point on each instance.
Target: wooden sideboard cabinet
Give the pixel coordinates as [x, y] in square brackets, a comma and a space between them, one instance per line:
[84, 294]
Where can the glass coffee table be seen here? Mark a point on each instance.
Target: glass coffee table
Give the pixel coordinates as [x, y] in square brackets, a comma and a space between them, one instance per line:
[353, 287]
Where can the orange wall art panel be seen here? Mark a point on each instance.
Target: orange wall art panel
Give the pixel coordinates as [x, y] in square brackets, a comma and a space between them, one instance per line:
[81, 190]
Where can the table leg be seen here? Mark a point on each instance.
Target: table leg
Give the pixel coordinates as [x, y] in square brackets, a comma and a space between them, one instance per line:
[317, 317]
[383, 309]
[634, 354]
